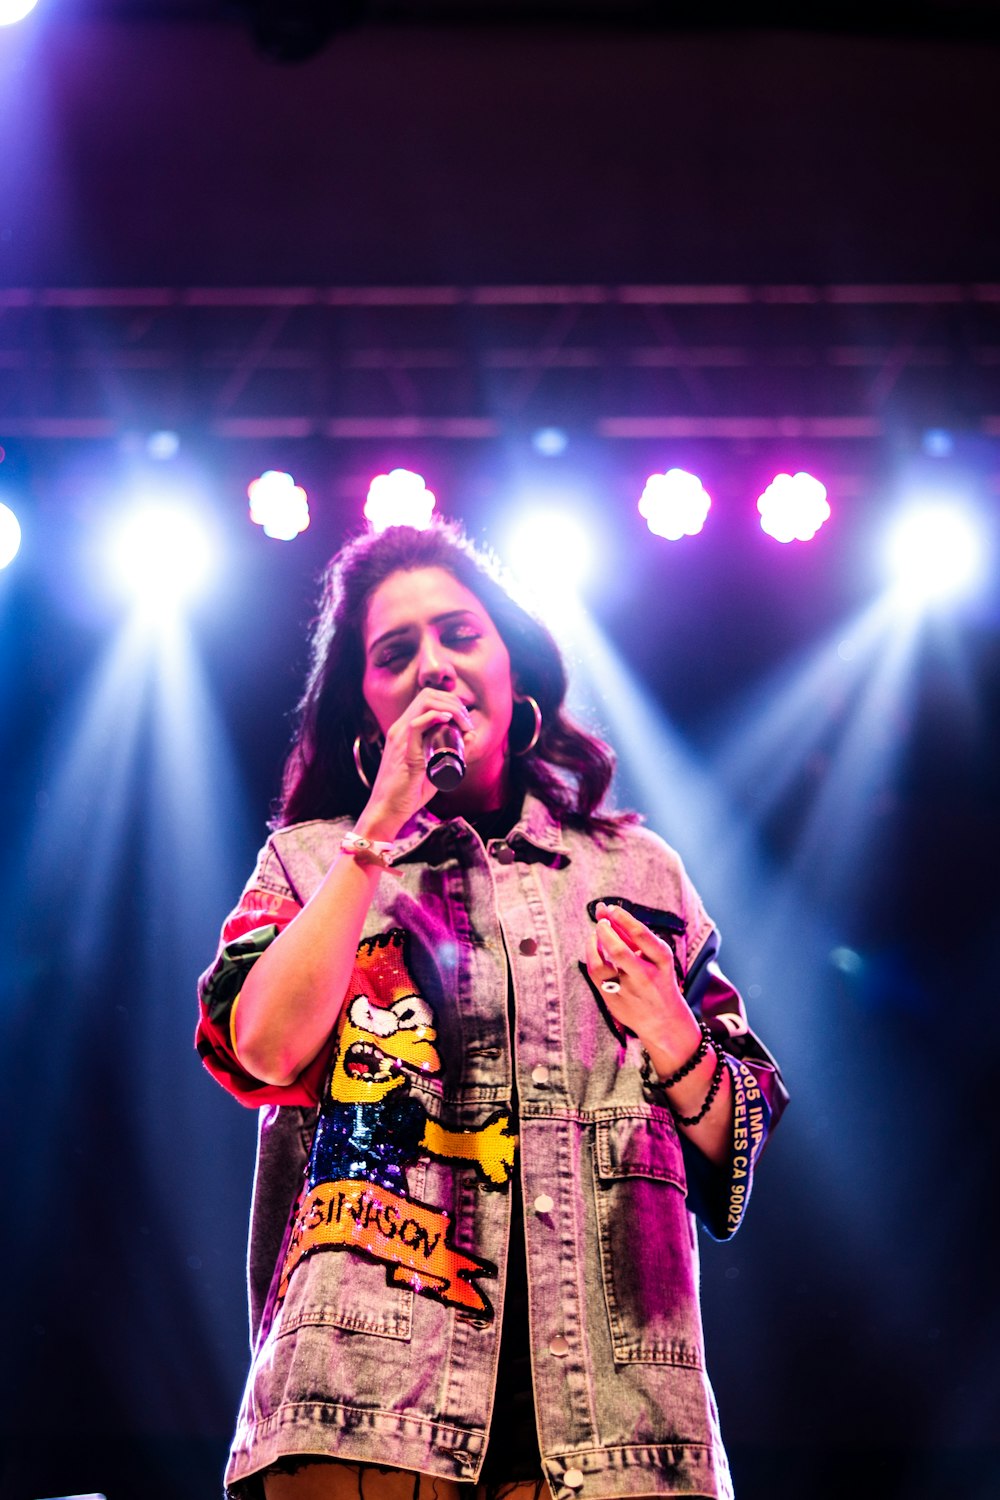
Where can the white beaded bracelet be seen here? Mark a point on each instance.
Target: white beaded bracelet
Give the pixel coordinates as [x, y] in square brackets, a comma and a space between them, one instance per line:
[369, 851]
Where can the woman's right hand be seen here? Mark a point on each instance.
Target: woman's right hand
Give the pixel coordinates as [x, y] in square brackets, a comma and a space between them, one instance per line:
[292, 995]
[401, 785]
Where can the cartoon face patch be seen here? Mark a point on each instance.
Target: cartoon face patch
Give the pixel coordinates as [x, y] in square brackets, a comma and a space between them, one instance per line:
[371, 1128]
[405, 1028]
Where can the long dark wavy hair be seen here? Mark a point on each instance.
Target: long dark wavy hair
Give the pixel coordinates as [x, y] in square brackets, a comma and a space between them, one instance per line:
[568, 769]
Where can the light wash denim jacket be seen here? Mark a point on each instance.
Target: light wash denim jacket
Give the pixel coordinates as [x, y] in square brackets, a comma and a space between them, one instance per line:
[378, 1237]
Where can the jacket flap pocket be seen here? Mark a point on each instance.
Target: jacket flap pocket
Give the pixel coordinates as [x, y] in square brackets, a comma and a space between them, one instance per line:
[640, 1145]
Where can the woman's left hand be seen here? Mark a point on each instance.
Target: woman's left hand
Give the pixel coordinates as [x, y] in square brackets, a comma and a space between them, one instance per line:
[634, 970]
[624, 952]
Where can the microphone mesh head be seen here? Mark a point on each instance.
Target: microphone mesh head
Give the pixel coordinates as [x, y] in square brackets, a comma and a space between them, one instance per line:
[445, 770]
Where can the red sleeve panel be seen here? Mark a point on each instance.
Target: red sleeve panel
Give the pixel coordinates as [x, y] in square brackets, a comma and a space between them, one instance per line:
[251, 928]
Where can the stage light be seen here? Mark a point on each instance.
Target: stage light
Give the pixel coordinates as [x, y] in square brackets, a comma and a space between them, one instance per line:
[15, 10]
[674, 504]
[935, 552]
[163, 446]
[549, 441]
[160, 554]
[10, 536]
[937, 442]
[399, 498]
[847, 961]
[278, 505]
[550, 552]
[793, 507]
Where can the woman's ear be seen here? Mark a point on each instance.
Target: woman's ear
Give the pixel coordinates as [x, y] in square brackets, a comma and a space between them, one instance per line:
[370, 731]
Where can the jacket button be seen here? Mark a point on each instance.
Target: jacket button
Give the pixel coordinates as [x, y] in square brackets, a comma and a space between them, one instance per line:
[539, 1073]
[505, 854]
[544, 1204]
[573, 1478]
[559, 1346]
[528, 947]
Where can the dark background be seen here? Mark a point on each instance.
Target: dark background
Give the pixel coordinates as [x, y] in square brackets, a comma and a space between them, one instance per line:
[852, 1325]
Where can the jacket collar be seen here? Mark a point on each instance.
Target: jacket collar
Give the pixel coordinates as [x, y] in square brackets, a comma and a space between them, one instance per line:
[536, 826]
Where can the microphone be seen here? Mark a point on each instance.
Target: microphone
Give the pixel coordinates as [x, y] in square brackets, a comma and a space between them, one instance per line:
[444, 756]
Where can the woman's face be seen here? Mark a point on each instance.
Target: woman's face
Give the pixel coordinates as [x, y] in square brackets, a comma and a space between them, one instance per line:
[425, 629]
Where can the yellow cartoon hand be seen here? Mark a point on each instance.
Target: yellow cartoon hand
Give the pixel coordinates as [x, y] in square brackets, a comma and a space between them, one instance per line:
[498, 1147]
[490, 1149]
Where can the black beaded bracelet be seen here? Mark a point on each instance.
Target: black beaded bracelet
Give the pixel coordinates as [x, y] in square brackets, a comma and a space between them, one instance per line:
[713, 1089]
[650, 1075]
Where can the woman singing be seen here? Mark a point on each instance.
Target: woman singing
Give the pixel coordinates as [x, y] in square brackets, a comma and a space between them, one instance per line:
[500, 1072]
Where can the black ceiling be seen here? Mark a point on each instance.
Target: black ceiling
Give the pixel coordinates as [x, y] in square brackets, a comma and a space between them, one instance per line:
[973, 17]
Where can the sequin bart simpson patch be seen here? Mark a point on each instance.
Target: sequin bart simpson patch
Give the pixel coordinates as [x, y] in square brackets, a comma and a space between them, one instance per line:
[371, 1128]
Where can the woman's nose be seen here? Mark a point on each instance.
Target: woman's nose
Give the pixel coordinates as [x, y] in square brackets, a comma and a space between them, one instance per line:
[434, 666]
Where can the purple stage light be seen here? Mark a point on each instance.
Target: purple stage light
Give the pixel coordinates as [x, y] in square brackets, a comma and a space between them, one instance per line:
[793, 507]
[674, 504]
[399, 498]
[278, 505]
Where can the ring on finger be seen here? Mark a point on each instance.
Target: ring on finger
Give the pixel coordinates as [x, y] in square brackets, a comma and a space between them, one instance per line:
[611, 986]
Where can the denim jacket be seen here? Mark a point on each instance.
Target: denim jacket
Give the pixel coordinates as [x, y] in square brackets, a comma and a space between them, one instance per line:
[381, 1211]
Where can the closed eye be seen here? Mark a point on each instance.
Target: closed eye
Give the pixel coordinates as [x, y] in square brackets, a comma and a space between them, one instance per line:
[395, 656]
[461, 635]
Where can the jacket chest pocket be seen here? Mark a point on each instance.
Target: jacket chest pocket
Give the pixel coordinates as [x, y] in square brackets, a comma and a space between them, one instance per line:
[646, 1242]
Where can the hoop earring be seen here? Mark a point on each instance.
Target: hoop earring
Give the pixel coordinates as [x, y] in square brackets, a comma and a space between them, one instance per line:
[356, 751]
[538, 724]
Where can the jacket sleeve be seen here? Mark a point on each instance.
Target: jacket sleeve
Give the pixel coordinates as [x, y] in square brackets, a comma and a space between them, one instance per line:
[719, 1194]
[266, 907]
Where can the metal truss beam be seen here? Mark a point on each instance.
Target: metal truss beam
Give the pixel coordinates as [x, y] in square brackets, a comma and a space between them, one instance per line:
[728, 362]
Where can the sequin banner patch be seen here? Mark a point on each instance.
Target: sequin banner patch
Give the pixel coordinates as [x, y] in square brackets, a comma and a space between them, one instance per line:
[408, 1238]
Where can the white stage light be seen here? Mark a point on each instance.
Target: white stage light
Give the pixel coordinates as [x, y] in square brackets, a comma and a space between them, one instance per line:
[15, 10]
[278, 505]
[793, 507]
[550, 551]
[399, 498]
[161, 554]
[674, 504]
[10, 536]
[935, 552]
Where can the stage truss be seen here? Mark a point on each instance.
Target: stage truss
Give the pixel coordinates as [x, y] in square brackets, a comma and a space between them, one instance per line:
[831, 364]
